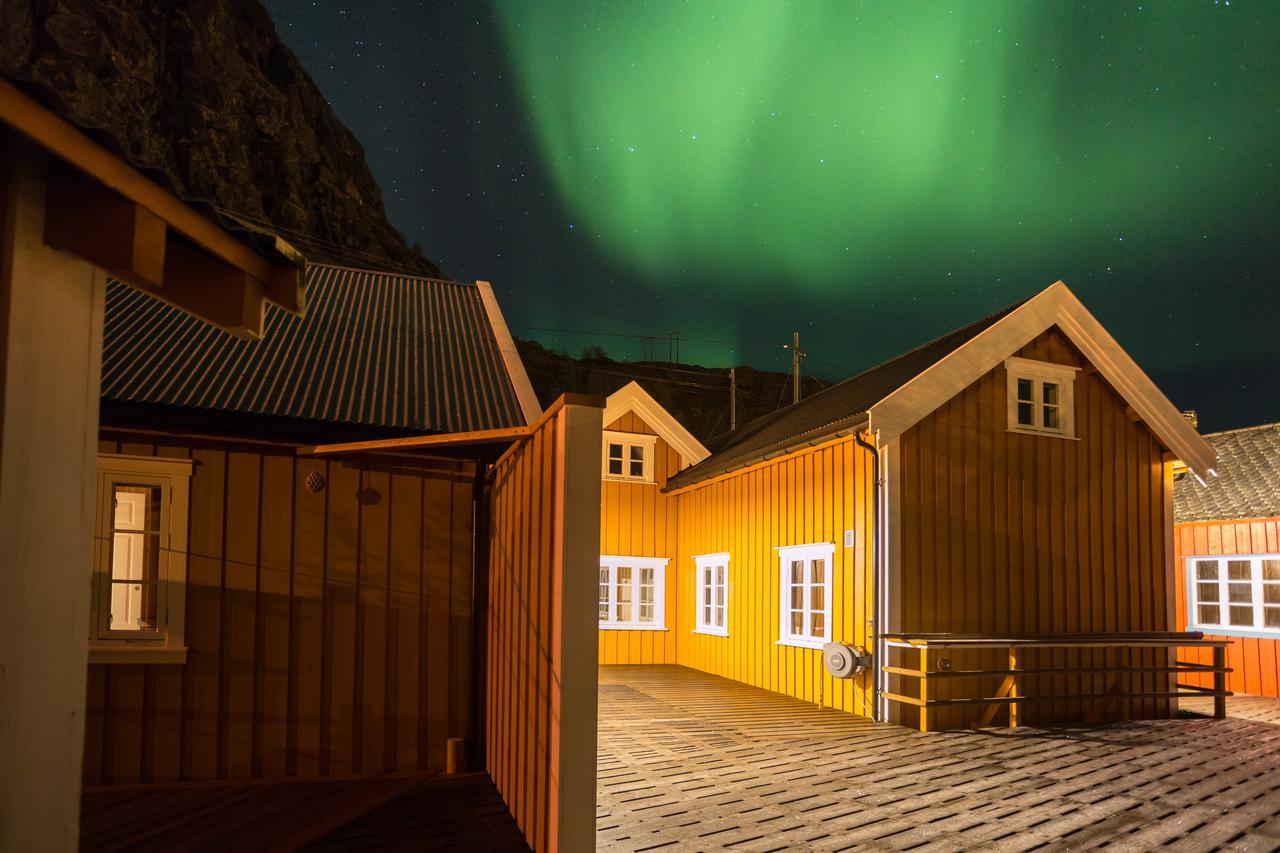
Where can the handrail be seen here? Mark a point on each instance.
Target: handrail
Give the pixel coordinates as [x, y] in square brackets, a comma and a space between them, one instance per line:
[1012, 690]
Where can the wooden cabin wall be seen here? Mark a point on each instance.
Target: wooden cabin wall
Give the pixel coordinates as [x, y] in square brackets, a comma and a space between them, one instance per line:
[637, 520]
[329, 633]
[1003, 532]
[1255, 661]
[806, 497]
[540, 674]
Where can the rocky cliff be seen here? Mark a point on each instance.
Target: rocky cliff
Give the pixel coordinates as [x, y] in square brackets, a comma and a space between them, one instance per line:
[203, 95]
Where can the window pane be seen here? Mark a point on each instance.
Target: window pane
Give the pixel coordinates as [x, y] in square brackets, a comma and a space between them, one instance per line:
[1207, 591]
[797, 571]
[615, 466]
[797, 598]
[604, 593]
[706, 615]
[637, 453]
[720, 595]
[817, 597]
[1271, 593]
[1049, 396]
[818, 628]
[1024, 415]
[622, 610]
[615, 451]
[1241, 615]
[1026, 390]
[1209, 614]
[1240, 593]
[720, 575]
[819, 571]
[1271, 617]
[1238, 570]
[1207, 570]
[1051, 417]
[135, 558]
[797, 623]
[646, 595]
[1271, 570]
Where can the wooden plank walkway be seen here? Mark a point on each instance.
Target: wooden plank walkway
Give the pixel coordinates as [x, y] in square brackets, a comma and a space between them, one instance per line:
[688, 761]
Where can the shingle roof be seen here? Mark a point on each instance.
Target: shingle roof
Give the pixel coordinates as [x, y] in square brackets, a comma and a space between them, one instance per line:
[830, 411]
[1248, 481]
[373, 349]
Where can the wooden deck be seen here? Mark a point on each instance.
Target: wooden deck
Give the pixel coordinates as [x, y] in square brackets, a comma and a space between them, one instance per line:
[689, 761]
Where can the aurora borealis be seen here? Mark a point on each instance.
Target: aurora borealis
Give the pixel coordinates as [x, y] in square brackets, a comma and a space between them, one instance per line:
[871, 174]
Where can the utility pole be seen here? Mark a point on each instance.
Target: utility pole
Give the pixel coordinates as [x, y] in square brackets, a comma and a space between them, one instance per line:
[733, 399]
[796, 357]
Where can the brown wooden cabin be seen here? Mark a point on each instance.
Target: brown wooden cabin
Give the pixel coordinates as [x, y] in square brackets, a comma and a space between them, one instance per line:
[261, 612]
[1227, 549]
[1012, 479]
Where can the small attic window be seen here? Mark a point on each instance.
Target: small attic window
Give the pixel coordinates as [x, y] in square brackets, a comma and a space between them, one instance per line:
[628, 456]
[1041, 397]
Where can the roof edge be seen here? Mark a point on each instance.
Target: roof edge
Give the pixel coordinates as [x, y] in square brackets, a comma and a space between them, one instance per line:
[516, 373]
[633, 398]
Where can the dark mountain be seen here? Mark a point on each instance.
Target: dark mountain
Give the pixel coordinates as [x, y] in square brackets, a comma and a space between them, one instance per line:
[204, 97]
[697, 396]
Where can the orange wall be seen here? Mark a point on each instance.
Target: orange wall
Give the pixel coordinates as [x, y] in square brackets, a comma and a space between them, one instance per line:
[807, 497]
[329, 633]
[999, 531]
[637, 520]
[1255, 660]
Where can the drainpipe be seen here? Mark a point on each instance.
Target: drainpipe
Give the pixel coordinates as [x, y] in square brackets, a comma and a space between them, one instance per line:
[480, 497]
[876, 580]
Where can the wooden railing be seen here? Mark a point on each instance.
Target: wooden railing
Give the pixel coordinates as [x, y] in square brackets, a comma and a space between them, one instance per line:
[1013, 692]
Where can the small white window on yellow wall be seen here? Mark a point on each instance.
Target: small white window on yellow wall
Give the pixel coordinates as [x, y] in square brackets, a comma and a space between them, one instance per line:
[712, 616]
[633, 593]
[140, 560]
[1041, 397]
[806, 594]
[629, 456]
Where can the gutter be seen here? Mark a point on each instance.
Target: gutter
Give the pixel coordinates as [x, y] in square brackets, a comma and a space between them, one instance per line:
[877, 544]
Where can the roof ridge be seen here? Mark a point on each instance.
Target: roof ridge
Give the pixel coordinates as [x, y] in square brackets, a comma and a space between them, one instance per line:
[415, 276]
[1241, 429]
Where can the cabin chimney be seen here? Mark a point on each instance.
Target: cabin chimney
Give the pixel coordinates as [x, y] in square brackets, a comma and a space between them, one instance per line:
[1190, 416]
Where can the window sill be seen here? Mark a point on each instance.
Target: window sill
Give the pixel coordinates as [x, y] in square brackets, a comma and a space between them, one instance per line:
[1037, 434]
[712, 632]
[816, 645]
[615, 478]
[603, 626]
[136, 653]
[1257, 633]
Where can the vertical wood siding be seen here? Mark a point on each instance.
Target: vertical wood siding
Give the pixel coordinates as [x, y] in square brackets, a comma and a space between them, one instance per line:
[1255, 660]
[806, 497]
[329, 633]
[637, 520]
[1005, 532]
[540, 701]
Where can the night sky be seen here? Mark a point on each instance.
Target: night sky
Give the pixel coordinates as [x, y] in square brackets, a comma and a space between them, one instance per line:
[870, 174]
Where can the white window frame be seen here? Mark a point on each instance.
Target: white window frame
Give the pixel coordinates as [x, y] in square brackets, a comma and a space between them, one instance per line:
[628, 440]
[167, 643]
[1040, 373]
[704, 580]
[1258, 603]
[808, 553]
[611, 563]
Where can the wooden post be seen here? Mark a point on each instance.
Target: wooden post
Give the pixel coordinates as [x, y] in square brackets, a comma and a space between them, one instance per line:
[1219, 682]
[925, 669]
[1014, 687]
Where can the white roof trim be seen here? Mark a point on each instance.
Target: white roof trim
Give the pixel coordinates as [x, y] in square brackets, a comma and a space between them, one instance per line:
[632, 398]
[1055, 305]
[510, 355]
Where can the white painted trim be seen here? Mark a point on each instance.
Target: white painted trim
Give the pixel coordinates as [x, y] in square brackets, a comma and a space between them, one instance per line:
[633, 398]
[807, 552]
[702, 562]
[659, 566]
[1055, 305]
[1038, 373]
[510, 355]
[628, 439]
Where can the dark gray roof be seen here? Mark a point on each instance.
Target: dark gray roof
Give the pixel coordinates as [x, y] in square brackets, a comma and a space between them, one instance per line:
[374, 349]
[830, 411]
[1248, 481]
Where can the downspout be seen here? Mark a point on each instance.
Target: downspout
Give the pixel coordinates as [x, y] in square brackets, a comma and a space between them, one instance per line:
[480, 506]
[876, 580]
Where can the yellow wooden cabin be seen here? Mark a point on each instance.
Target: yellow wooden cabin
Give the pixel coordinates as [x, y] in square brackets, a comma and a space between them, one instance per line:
[991, 505]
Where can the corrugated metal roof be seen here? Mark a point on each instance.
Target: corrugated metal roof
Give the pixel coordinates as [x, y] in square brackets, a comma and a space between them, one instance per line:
[1248, 481]
[829, 411]
[379, 349]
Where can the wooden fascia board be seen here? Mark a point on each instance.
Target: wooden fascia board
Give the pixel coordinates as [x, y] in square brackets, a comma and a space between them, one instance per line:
[633, 398]
[451, 439]
[795, 450]
[516, 372]
[66, 142]
[1056, 305]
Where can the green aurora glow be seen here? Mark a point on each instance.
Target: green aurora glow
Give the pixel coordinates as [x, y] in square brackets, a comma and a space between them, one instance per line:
[826, 141]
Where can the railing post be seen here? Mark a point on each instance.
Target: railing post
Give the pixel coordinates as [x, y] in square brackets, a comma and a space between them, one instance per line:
[1219, 682]
[1013, 687]
[925, 669]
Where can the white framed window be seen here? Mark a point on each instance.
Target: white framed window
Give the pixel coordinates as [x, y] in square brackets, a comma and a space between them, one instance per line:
[1237, 594]
[805, 600]
[633, 593]
[628, 456]
[140, 560]
[712, 580]
[1042, 398]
